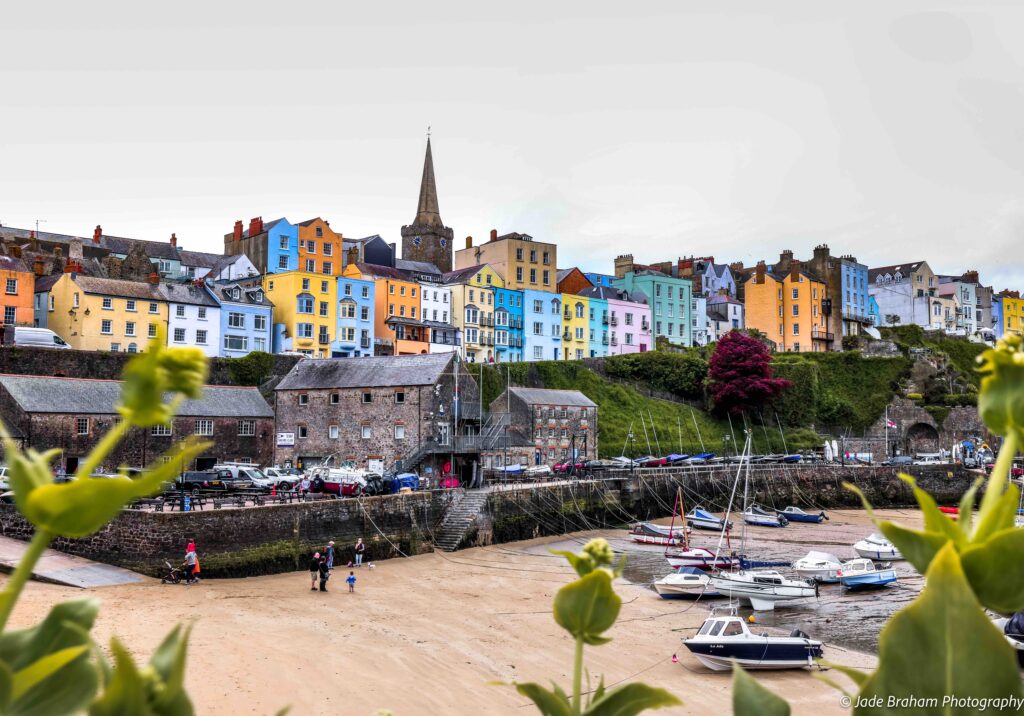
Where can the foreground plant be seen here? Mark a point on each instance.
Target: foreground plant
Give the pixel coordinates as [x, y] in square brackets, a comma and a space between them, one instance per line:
[587, 608]
[55, 667]
[942, 653]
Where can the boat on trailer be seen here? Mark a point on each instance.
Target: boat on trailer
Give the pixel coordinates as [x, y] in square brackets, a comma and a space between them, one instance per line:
[757, 515]
[685, 583]
[795, 514]
[865, 574]
[725, 640]
[877, 547]
[648, 533]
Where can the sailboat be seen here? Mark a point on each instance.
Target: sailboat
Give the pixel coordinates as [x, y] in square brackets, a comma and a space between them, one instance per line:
[687, 555]
[762, 588]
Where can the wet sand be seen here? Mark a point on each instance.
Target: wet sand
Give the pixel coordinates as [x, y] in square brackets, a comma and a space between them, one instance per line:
[423, 635]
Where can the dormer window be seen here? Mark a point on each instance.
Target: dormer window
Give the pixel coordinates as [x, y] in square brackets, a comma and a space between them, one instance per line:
[259, 297]
[236, 293]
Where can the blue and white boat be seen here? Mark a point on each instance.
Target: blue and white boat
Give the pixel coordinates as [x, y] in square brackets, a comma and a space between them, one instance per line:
[702, 519]
[685, 583]
[757, 515]
[724, 640]
[863, 573]
[795, 514]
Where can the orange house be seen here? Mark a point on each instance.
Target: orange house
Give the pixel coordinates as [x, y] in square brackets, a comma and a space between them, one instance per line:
[398, 325]
[320, 249]
[787, 308]
[18, 284]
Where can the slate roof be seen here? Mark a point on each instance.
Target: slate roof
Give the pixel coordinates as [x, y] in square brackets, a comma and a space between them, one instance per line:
[119, 287]
[905, 269]
[12, 263]
[543, 396]
[44, 394]
[461, 275]
[113, 244]
[417, 267]
[187, 293]
[222, 290]
[375, 372]
[610, 292]
[45, 283]
[200, 258]
[378, 271]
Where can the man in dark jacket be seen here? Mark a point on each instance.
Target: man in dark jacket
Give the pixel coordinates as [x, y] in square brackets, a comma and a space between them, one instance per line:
[325, 572]
[314, 570]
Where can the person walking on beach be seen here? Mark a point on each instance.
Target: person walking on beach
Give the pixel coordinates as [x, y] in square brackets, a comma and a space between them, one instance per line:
[351, 579]
[191, 564]
[325, 573]
[314, 571]
[360, 550]
[330, 555]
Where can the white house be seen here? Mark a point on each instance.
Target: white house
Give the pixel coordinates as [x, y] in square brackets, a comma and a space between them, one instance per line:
[436, 314]
[193, 318]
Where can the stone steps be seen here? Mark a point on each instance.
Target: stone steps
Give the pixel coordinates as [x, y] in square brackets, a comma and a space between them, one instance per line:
[459, 519]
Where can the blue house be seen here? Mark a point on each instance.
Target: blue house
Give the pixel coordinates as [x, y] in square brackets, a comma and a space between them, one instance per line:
[282, 246]
[598, 327]
[856, 311]
[245, 318]
[876, 318]
[542, 325]
[508, 325]
[600, 279]
[355, 318]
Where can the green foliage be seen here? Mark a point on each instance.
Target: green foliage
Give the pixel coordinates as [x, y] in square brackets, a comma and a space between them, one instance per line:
[251, 369]
[799, 403]
[749, 698]
[587, 608]
[54, 667]
[939, 413]
[681, 374]
[915, 396]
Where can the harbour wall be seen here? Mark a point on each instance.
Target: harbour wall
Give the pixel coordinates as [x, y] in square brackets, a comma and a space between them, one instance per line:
[280, 538]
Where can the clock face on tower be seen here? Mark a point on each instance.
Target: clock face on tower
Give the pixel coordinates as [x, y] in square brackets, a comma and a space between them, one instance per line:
[444, 242]
[418, 240]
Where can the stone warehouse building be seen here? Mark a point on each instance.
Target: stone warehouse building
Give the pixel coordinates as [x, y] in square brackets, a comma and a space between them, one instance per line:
[544, 427]
[383, 412]
[73, 414]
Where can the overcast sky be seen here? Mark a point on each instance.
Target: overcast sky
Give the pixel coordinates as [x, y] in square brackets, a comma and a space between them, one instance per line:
[892, 131]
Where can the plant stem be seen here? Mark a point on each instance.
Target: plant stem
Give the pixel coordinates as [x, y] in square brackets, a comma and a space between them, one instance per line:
[1000, 471]
[577, 676]
[102, 449]
[40, 541]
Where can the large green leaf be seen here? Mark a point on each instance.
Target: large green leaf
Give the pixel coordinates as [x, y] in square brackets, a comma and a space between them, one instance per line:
[126, 691]
[749, 698]
[925, 652]
[6, 684]
[998, 514]
[549, 703]
[630, 700]
[995, 570]
[588, 607]
[43, 668]
[918, 548]
[168, 661]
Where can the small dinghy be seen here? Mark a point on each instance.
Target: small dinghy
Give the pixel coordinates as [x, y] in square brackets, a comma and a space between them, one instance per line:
[757, 515]
[723, 640]
[702, 519]
[762, 588]
[864, 574]
[819, 566]
[795, 514]
[877, 547]
[685, 583]
[648, 533]
[1013, 629]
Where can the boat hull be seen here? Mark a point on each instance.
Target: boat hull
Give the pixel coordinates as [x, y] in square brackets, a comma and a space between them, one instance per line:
[700, 560]
[703, 524]
[662, 541]
[762, 597]
[878, 555]
[825, 576]
[763, 521]
[813, 519]
[720, 656]
[869, 581]
[674, 591]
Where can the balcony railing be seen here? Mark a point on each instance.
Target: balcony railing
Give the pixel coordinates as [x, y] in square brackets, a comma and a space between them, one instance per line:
[486, 320]
[604, 340]
[604, 319]
[567, 336]
[821, 335]
[615, 341]
[615, 320]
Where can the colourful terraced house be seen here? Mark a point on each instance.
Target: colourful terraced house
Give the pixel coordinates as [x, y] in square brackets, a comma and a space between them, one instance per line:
[398, 324]
[575, 326]
[473, 305]
[305, 313]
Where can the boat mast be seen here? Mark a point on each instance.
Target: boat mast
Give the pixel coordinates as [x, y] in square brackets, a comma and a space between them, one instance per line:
[732, 496]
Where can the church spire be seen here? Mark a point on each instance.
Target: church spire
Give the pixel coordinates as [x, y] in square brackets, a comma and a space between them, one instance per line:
[427, 213]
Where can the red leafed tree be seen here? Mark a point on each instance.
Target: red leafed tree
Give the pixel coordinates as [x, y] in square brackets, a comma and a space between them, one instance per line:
[740, 375]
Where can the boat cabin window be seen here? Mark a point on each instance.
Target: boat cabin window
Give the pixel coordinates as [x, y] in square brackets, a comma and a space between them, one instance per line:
[707, 627]
[717, 629]
[767, 580]
[733, 629]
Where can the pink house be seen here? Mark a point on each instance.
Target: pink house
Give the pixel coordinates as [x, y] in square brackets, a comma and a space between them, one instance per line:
[629, 319]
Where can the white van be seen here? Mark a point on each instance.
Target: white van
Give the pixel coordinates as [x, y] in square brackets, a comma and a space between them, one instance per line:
[38, 338]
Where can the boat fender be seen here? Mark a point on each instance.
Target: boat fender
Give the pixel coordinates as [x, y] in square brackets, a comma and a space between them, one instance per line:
[817, 588]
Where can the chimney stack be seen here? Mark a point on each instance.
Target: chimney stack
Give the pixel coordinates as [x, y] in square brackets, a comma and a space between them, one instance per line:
[97, 234]
[353, 255]
[494, 234]
[154, 278]
[38, 266]
[469, 242]
[794, 270]
[238, 230]
[256, 226]
[759, 272]
[174, 240]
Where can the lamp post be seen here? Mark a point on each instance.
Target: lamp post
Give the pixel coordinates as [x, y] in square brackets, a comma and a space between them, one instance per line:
[632, 451]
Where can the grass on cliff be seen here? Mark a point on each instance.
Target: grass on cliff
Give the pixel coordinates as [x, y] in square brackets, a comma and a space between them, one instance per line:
[961, 352]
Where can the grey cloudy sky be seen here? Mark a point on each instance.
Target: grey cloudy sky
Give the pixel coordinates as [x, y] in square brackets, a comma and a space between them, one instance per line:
[892, 131]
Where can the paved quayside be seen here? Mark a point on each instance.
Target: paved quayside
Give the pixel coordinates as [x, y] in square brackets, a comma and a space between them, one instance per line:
[64, 569]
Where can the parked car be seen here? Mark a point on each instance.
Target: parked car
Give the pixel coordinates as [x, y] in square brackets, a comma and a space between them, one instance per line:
[245, 476]
[535, 471]
[196, 481]
[899, 461]
[598, 465]
[30, 337]
[1015, 471]
[283, 477]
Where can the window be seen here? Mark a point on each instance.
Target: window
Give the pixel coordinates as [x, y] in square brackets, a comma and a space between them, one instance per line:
[179, 335]
[51, 302]
[472, 315]
[366, 291]
[303, 399]
[129, 328]
[201, 338]
[259, 323]
[303, 432]
[399, 396]
[202, 313]
[108, 304]
[152, 330]
[519, 254]
[236, 343]
[328, 268]
[129, 305]
[305, 284]
[82, 426]
[328, 248]
[538, 353]
[260, 344]
[310, 265]
[364, 313]
[324, 286]
[237, 320]
[367, 397]
[796, 310]
[160, 431]
[413, 293]
[796, 329]
[335, 398]
[247, 428]
[284, 243]
[115, 347]
[538, 328]
[282, 262]
[153, 308]
[179, 311]
[106, 325]
[319, 234]
[365, 432]
[75, 303]
[332, 432]
[399, 432]
[533, 275]
[132, 348]
[324, 308]
[204, 427]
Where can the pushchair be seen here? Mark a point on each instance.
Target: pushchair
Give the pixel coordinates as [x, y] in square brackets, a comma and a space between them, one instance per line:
[173, 575]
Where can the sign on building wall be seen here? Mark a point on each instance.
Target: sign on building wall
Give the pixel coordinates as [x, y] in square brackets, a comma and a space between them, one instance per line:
[286, 439]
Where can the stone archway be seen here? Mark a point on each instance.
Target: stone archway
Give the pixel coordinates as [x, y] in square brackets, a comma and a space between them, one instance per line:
[922, 438]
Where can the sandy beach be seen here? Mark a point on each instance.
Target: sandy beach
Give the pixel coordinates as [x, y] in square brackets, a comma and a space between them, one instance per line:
[423, 635]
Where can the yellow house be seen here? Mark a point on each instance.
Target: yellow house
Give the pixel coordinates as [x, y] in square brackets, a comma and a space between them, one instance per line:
[1009, 314]
[473, 309]
[522, 262]
[304, 304]
[101, 314]
[788, 309]
[575, 326]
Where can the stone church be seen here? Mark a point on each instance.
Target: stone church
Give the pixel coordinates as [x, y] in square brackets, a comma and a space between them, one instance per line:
[427, 238]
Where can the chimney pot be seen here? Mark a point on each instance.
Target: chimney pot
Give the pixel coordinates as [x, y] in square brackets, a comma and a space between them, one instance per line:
[238, 230]
[154, 278]
[494, 234]
[174, 240]
[469, 242]
[97, 234]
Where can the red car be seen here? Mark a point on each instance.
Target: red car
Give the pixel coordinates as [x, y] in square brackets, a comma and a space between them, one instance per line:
[565, 467]
[1015, 471]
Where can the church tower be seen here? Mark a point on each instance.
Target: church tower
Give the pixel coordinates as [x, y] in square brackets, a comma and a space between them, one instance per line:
[427, 238]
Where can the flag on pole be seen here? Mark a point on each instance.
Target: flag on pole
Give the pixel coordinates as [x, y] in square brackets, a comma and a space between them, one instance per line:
[889, 423]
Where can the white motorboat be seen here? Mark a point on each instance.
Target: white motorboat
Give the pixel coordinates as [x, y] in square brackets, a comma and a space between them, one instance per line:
[877, 547]
[757, 515]
[1013, 630]
[819, 566]
[862, 573]
[762, 588]
[724, 640]
[685, 583]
